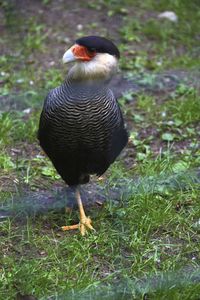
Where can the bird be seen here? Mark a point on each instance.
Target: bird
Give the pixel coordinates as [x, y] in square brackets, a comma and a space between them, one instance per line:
[81, 127]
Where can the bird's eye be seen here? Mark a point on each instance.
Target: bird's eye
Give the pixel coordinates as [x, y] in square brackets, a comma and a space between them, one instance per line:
[91, 50]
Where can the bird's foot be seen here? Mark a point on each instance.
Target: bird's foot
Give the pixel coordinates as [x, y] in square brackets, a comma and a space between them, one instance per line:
[85, 223]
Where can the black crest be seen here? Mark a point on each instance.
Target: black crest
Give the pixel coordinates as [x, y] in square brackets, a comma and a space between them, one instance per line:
[99, 44]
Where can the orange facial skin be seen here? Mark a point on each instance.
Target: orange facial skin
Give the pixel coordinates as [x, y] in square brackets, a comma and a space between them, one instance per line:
[82, 53]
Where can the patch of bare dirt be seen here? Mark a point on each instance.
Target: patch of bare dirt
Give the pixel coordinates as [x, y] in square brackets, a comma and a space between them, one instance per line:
[63, 21]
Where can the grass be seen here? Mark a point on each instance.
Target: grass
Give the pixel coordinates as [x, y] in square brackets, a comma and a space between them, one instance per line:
[165, 44]
[145, 245]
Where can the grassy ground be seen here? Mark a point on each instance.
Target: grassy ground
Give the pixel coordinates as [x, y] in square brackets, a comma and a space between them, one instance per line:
[148, 247]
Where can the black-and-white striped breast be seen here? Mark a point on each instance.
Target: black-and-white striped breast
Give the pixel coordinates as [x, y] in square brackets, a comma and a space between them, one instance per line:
[74, 119]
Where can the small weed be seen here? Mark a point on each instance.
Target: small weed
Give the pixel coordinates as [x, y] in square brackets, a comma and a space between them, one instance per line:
[129, 31]
[6, 162]
[6, 125]
[146, 103]
[34, 39]
[15, 128]
[53, 78]
[157, 30]
[185, 106]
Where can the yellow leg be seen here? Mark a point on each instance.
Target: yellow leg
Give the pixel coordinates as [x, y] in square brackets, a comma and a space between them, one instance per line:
[85, 222]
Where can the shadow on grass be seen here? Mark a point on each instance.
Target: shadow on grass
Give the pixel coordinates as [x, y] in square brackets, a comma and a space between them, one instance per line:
[165, 284]
[34, 203]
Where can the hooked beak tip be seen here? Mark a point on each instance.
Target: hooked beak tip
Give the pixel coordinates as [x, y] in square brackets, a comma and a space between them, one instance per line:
[68, 56]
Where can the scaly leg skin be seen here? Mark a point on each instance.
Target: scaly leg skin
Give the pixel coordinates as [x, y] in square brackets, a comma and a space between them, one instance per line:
[85, 222]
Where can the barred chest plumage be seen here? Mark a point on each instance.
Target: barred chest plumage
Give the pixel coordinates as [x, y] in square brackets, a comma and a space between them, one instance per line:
[81, 116]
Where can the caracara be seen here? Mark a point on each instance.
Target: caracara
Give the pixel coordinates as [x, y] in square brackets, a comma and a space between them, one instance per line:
[81, 125]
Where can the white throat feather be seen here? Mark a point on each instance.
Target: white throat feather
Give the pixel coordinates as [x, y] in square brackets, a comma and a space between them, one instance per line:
[102, 67]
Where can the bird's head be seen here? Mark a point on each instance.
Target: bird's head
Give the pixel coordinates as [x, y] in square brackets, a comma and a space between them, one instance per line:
[96, 58]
